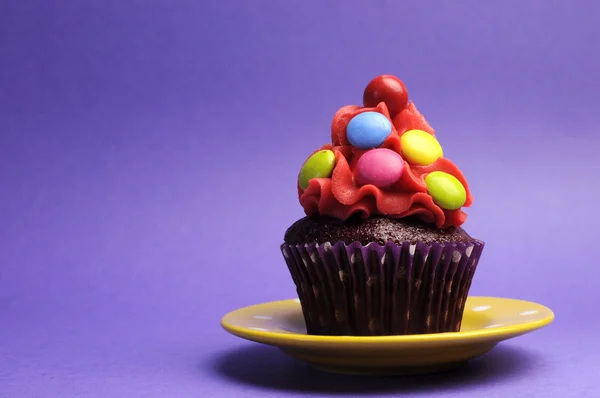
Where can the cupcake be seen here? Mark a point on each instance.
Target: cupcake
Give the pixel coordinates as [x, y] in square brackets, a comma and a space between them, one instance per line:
[381, 250]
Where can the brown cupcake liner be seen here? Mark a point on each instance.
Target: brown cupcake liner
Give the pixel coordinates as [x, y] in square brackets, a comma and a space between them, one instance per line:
[376, 290]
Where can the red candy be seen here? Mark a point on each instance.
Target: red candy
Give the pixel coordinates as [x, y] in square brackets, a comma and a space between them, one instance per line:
[388, 89]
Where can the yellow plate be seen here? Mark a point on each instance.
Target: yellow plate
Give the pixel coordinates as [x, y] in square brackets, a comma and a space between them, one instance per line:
[486, 322]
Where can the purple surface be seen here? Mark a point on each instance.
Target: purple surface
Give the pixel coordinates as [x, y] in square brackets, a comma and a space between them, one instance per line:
[139, 138]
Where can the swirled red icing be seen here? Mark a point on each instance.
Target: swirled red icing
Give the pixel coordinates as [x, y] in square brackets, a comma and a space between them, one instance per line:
[341, 197]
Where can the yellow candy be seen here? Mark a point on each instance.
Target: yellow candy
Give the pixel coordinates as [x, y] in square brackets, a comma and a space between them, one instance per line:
[420, 147]
[319, 165]
[446, 190]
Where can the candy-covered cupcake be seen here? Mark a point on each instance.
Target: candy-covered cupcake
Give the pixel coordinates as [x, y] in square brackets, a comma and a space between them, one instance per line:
[381, 250]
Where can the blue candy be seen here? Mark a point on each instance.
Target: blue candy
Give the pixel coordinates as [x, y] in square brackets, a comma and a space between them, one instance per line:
[368, 130]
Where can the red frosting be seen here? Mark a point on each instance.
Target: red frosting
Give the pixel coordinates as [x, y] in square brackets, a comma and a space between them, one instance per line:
[341, 197]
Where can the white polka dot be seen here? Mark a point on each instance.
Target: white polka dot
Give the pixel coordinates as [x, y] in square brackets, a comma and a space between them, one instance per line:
[469, 251]
[411, 249]
[480, 308]
[530, 312]
[456, 256]
[496, 325]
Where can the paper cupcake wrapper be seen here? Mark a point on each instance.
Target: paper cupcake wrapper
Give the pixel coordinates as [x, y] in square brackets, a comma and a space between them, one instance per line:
[377, 290]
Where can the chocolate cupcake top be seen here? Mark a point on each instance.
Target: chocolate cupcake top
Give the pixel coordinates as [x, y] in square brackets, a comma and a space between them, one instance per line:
[383, 160]
[378, 229]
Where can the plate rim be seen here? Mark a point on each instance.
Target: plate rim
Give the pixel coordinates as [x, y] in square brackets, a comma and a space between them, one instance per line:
[294, 339]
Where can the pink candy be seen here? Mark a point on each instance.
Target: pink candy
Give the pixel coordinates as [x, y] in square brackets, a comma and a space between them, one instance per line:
[380, 167]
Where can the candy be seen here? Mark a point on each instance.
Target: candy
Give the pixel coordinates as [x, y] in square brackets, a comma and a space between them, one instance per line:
[420, 148]
[380, 167]
[319, 165]
[446, 190]
[368, 130]
[388, 89]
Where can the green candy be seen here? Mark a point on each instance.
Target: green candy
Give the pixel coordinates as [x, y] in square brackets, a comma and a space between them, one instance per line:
[319, 165]
[446, 191]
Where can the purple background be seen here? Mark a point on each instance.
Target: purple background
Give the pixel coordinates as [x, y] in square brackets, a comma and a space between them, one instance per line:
[148, 156]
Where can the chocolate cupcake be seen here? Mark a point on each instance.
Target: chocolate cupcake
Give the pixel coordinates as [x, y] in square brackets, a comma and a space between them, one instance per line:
[381, 250]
